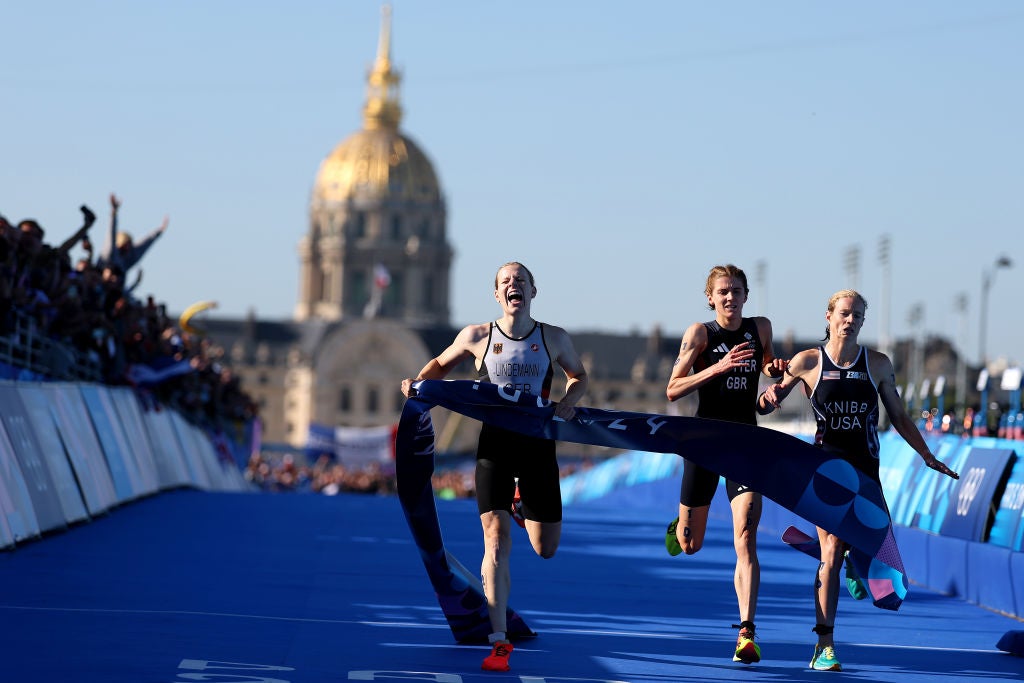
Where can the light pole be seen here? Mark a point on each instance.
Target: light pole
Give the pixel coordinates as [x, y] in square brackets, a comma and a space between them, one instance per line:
[960, 403]
[761, 279]
[987, 276]
[851, 264]
[883, 327]
[915, 317]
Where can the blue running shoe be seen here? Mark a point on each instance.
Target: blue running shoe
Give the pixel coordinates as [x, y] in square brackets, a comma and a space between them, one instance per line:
[825, 659]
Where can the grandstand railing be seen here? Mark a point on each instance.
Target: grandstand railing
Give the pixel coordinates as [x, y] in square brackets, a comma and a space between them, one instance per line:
[26, 348]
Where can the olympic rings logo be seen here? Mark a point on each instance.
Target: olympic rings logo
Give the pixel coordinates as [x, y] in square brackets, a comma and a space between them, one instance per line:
[969, 486]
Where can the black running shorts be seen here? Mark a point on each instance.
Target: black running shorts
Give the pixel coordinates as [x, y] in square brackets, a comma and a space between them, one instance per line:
[699, 485]
[503, 455]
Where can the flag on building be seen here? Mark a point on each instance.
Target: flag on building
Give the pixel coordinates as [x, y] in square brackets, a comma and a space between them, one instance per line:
[381, 276]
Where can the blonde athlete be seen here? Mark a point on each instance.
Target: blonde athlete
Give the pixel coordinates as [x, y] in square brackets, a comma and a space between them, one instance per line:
[519, 353]
[846, 381]
[727, 357]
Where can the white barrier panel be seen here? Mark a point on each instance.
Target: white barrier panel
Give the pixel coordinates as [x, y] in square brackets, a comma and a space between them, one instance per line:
[215, 451]
[19, 519]
[124, 470]
[126, 409]
[41, 489]
[194, 457]
[170, 462]
[6, 535]
[69, 450]
[40, 422]
[75, 430]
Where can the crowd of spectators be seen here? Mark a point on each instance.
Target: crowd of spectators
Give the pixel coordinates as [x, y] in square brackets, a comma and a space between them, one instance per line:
[286, 473]
[88, 306]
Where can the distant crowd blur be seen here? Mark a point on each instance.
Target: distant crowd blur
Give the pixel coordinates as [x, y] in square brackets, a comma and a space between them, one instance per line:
[67, 318]
[85, 322]
[288, 473]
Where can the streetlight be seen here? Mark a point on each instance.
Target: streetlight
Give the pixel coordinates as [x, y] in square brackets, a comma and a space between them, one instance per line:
[884, 245]
[960, 305]
[851, 264]
[915, 317]
[760, 278]
[987, 276]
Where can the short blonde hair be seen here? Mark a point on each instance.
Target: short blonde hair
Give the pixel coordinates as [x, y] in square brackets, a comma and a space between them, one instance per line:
[728, 270]
[513, 263]
[845, 294]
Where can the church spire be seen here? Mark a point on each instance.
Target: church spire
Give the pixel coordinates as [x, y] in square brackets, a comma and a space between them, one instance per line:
[382, 109]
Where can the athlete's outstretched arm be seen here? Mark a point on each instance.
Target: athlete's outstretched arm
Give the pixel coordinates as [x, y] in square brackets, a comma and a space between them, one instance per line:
[800, 369]
[881, 367]
[465, 346]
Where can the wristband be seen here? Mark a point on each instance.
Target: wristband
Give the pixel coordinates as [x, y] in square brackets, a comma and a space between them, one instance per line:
[766, 409]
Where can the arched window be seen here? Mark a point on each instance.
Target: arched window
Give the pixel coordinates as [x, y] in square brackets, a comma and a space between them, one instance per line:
[359, 225]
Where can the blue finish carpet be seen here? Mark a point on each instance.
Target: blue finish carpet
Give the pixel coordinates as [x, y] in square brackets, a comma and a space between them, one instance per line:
[198, 586]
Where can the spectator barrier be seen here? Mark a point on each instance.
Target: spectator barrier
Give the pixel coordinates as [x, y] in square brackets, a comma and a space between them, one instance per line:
[70, 452]
[959, 537]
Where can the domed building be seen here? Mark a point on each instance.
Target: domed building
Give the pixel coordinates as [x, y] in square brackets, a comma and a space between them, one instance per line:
[374, 278]
[377, 243]
[374, 295]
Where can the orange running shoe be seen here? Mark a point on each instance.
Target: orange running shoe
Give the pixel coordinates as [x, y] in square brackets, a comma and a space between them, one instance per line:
[498, 659]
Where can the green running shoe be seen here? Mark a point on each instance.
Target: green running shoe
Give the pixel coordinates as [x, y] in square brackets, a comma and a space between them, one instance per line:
[671, 542]
[825, 659]
[854, 583]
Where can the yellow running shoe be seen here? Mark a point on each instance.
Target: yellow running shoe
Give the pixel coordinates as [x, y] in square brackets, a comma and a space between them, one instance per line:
[747, 651]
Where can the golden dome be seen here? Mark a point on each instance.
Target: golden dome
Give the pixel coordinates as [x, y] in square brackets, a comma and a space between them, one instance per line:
[375, 164]
[378, 162]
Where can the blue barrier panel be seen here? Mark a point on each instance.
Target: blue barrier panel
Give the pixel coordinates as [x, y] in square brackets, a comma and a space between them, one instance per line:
[946, 564]
[902, 473]
[128, 414]
[936, 491]
[15, 501]
[1017, 582]
[124, 470]
[921, 490]
[1008, 530]
[967, 510]
[895, 464]
[987, 570]
[66, 484]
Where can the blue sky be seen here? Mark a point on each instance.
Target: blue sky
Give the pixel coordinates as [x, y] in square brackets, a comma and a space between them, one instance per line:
[618, 149]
